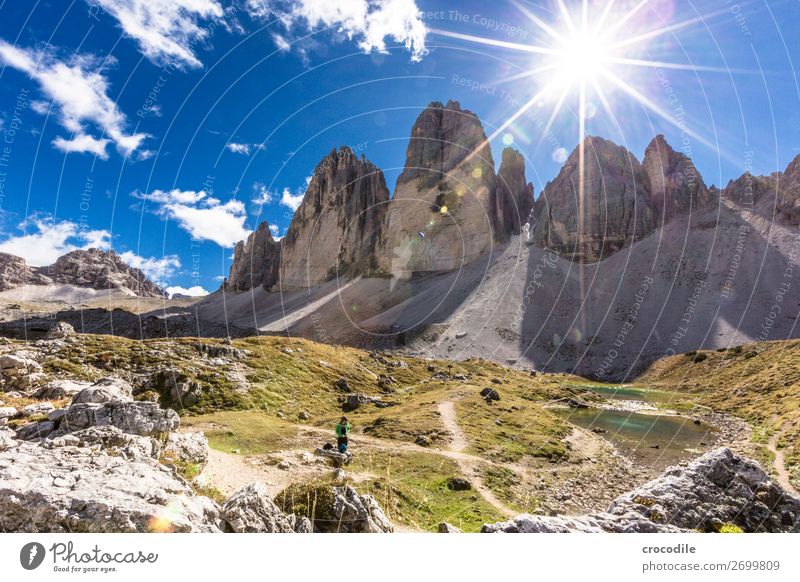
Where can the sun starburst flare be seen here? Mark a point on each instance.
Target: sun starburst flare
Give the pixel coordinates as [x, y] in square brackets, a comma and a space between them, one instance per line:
[589, 52]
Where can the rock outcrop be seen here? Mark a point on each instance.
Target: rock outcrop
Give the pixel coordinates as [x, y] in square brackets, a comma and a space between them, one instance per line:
[15, 272]
[356, 513]
[251, 510]
[256, 262]
[338, 226]
[717, 489]
[189, 447]
[92, 268]
[443, 212]
[674, 184]
[75, 489]
[99, 269]
[18, 371]
[514, 195]
[139, 418]
[748, 189]
[586, 216]
[789, 192]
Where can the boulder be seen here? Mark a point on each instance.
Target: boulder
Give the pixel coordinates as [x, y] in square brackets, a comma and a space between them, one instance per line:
[72, 489]
[719, 487]
[36, 430]
[356, 513]
[17, 362]
[578, 524]
[445, 527]
[140, 418]
[19, 372]
[8, 412]
[251, 510]
[490, 394]
[353, 401]
[113, 440]
[8, 439]
[59, 331]
[177, 390]
[300, 524]
[458, 484]
[188, 447]
[37, 408]
[105, 390]
[58, 389]
[716, 489]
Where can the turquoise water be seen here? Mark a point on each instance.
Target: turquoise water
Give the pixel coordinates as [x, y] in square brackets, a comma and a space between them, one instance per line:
[635, 434]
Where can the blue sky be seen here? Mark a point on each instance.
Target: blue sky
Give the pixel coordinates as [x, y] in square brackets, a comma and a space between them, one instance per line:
[167, 129]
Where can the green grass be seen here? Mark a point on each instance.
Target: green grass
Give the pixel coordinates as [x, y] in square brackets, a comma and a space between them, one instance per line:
[506, 485]
[411, 488]
[248, 432]
[524, 429]
[758, 382]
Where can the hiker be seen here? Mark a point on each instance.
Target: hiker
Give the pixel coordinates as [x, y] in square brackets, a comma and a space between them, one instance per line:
[342, 430]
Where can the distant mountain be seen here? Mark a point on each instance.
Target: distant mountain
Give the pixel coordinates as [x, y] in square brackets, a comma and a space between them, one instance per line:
[629, 261]
[92, 268]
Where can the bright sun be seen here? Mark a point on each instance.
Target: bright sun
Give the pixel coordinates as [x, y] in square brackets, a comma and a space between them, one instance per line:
[589, 50]
[583, 58]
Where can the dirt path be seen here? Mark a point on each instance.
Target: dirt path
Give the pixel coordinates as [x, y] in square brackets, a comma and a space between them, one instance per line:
[468, 464]
[781, 474]
[447, 410]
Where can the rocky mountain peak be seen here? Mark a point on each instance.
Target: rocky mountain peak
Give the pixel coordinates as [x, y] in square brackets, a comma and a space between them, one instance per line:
[674, 184]
[14, 272]
[338, 226]
[100, 269]
[789, 192]
[91, 268]
[256, 262]
[443, 211]
[442, 137]
[588, 216]
[514, 195]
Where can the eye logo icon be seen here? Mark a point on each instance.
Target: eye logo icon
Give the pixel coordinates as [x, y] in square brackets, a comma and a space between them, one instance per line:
[31, 555]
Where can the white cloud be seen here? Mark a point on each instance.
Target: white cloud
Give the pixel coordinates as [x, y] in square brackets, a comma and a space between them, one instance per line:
[195, 291]
[40, 107]
[166, 30]
[157, 270]
[283, 45]
[79, 93]
[51, 240]
[368, 22]
[274, 229]
[244, 148]
[261, 195]
[202, 216]
[291, 200]
[82, 143]
[239, 148]
[294, 199]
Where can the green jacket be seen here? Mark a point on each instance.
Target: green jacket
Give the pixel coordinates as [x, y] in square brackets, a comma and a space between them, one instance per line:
[342, 430]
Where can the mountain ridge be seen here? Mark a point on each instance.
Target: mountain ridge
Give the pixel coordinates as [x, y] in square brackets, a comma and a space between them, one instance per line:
[89, 268]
